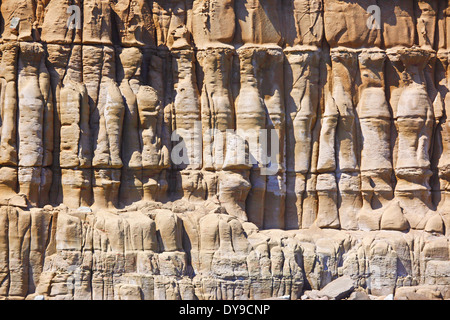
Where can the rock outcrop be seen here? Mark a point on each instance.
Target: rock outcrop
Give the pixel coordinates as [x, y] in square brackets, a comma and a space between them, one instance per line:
[224, 149]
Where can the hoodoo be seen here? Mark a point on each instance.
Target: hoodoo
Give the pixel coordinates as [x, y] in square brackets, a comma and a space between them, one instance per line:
[224, 149]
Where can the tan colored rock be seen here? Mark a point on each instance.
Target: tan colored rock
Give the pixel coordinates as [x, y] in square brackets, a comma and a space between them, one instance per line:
[435, 224]
[53, 18]
[32, 86]
[129, 292]
[346, 24]
[375, 119]
[216, 101]
[187, 109]
[301, 69]
[10, 54]
[97, 22]
[74, 120]
[233, 191]
[393, 218]
[303, 22]
[213, 22]
[328, 215]
[259, 22]
[133, 162]
[77, 187]
[338, 289]
[170, 20]
[19, 19]
[134, 23]
[426, 15]
[169, 227]
[105, 185]
[417, 293]
[398, 23]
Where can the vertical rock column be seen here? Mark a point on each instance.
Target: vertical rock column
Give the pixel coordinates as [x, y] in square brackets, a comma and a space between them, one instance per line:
[426, 17]
[213, 25]
[154, 155]
[161, 78]
[72, 158]
[141, 146]
[58, 61]
[326, 162]
[158, 100]
[106, 106]
[218, 122]
[217, 105]
[375, 123]
[430, 36]
[19, 20]
[340, 195]
[442, 137]
[182, 99]
[344, 70]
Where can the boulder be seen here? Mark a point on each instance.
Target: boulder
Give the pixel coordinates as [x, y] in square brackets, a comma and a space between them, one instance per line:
[338, 289]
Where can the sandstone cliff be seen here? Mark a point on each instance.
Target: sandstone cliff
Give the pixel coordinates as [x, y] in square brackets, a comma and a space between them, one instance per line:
[127, 170]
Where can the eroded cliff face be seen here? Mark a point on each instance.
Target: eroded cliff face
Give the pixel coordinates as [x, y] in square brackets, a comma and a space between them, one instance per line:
[124, 123]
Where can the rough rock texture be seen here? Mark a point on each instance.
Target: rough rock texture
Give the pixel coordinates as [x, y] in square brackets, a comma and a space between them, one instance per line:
[100, 99]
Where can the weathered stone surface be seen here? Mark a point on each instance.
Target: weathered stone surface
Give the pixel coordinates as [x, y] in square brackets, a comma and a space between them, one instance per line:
[338, 289]
[224, 149]
[359, 295]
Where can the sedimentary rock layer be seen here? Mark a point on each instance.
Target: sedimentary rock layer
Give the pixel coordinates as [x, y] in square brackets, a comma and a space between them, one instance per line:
[203, 149]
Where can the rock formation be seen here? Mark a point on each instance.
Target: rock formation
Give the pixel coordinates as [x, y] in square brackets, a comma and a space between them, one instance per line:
[224, 149]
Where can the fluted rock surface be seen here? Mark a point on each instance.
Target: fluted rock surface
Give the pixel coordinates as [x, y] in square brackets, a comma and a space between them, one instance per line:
[223, 149]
